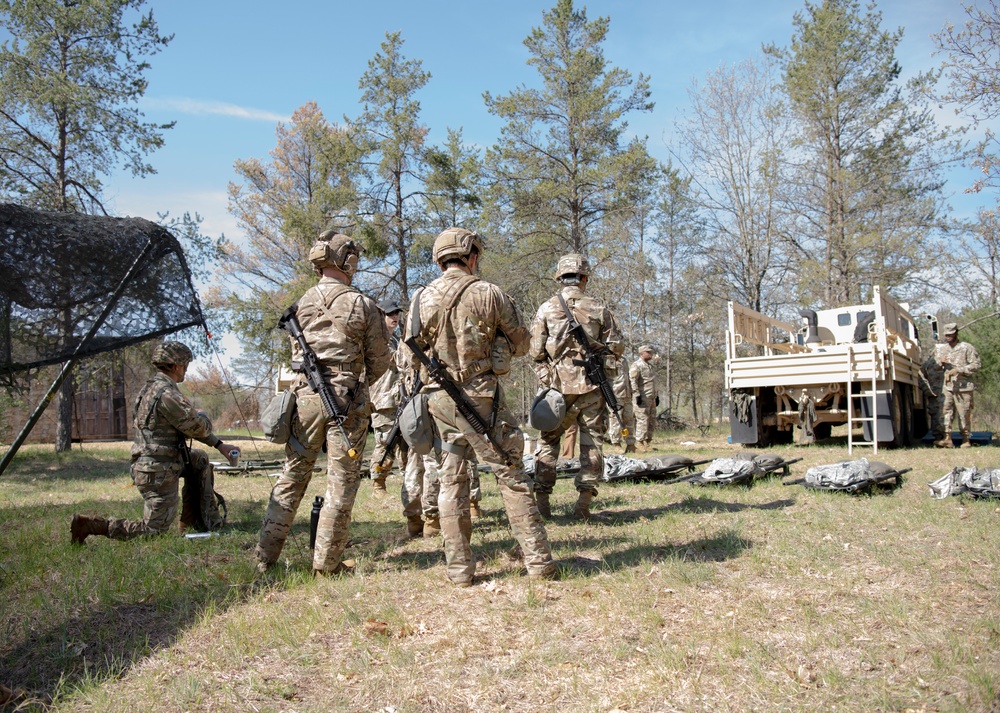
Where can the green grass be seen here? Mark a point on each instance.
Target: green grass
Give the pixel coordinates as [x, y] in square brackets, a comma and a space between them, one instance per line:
[672, 598]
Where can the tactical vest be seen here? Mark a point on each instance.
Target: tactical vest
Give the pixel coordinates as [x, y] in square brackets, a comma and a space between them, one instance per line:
[434, 331]
[153, 436]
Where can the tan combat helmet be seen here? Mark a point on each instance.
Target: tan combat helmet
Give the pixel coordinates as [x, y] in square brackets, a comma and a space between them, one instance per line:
[334, 249]
[171, 353]
[457, 243]
[572, 264]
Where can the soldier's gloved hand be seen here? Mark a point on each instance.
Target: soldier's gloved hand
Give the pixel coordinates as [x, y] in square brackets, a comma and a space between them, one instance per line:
[951, 374]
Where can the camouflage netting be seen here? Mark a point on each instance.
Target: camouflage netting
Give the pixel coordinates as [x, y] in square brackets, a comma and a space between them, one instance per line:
[58, 271]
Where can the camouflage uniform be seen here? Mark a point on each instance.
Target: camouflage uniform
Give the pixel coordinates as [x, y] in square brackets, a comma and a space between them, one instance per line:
[347, 332]
[554, 349]
[386, 396]
[161, 418]
[959, 363]
[934, 402]
[460, 316]
[642, 378]
[622, 387]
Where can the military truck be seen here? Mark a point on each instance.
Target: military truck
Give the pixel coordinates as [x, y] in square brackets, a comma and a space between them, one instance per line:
[857, 365]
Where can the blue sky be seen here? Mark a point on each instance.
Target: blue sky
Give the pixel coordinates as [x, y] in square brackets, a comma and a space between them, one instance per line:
[235, 69]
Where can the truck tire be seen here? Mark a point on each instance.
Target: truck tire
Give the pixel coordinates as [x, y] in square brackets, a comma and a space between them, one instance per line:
[822, 430]
[902, 415]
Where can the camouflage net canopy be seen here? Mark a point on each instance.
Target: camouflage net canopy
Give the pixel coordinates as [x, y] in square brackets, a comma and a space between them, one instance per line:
[58, 271]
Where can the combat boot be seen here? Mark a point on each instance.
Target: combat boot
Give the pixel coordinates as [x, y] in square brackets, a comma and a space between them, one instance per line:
[432, 526]
[378, 486]
[414, 526]
[544, 508]
[945, 442]
[550, 572]
[582, 509]
[474, 510]
[966, 443]
[629, 448]
[345, 567]
[83, 526]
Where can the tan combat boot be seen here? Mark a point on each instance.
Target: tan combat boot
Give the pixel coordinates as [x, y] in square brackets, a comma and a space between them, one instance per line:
[474, 510]
[629, 448]
[966, 442]
[946, 442]
[345, 567]
[378, 486]
[83, 526]
[544, 509]
[414, 526]
[432, 526]
[582, 509]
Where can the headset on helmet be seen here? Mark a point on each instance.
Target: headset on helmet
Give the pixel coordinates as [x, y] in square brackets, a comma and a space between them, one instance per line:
[572, 264]
[457, 243]
[334, 249]
[170, 353]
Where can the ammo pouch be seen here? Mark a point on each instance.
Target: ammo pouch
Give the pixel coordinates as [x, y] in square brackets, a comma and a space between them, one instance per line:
[500, 354]
[415, 425]
[276, 420]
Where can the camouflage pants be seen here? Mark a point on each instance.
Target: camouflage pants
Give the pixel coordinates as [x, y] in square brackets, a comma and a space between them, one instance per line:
[627, 414]
[401, 452]
[312, 428]
[157, 482]
[587, 411]
[935, 406]
[515, 487]
[645, 421]
[421, 486]
[960, 403]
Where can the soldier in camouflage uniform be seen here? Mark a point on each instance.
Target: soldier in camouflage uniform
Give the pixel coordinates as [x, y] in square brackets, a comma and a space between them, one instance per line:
[622, 386]
[347, 332]
[161, 418]
[932, 386]
[642, 378]
[386, 396]
[555, 350]
[465, 323]
[960, 361]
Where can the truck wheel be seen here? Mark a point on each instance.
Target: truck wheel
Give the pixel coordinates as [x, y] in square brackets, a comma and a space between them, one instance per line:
[902, 414]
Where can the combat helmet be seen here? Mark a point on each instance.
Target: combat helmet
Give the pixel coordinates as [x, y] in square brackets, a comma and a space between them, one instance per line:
[334, 249]
[170, 353]
[457, 243]
[572, 264]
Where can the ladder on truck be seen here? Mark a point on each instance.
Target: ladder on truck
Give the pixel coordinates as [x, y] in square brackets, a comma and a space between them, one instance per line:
[853, 372]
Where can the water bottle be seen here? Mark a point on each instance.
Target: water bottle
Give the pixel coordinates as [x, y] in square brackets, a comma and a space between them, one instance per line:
[314, 520]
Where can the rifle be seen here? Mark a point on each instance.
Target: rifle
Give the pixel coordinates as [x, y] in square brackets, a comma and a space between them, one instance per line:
[314, 375]
[697, 478]
[395, 434]
[861, 485]
[468, 411]
[593, 364]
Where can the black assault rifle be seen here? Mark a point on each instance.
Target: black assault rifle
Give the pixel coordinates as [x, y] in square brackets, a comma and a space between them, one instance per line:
[698, 478]
[395, 434]
[314, 375]
[594, 365]
[437, 373]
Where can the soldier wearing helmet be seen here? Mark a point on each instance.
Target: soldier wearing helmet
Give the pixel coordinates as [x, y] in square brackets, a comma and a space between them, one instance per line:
[459, 319]
[385, 399]
[642, 377]
[162, 419]
[557, 354]
[347, 332]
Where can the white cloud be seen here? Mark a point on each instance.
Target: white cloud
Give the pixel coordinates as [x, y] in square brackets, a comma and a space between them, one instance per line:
[202, 107]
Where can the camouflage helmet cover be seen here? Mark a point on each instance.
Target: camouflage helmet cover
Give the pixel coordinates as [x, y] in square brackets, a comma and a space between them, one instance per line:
[457, 243]
[334, 249]
[170, 353]
[572, 264]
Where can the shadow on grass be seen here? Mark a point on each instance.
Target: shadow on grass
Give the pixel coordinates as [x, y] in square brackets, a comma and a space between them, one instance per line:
[74, 615]
[67, 466]
[690, 504]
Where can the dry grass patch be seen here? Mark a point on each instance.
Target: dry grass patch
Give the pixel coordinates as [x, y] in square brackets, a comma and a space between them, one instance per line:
[674, 598]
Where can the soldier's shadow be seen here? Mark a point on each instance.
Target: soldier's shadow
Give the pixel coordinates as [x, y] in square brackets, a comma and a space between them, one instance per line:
[692, 504]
